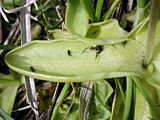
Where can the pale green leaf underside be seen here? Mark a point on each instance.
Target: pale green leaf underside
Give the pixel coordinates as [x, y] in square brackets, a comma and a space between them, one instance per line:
[50, 60]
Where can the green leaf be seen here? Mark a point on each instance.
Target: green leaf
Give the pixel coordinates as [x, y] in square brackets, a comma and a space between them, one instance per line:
[98, 111]
[8, 91]
[87, 4]
[117, 106]
[128, 100]
[60, 100]
[142, 110]
[76, 19]
[150, 96]
[103, 91]
[99, 105]
[74, 113]
[111, 9]
[11, 4]
[141, 36]
[99, 9]
[107, 36]
[51, 61]
[62, 34]
[106, 29]
[69, 109]
[141, 12]
[7, 47]
[140, 33]
[4, 115]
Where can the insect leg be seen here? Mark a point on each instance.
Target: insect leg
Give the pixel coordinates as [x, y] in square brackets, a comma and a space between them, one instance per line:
[86, 49]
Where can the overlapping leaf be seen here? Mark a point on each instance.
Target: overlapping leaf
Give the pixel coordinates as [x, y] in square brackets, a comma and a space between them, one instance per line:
[8, 91]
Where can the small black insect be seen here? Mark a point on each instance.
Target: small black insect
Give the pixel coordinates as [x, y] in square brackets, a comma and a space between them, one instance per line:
[124, 43]
[32, 69]
[98, 49]
[69, 52]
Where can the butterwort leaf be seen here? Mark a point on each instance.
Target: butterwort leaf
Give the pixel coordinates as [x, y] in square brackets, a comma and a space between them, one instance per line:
[50, 60]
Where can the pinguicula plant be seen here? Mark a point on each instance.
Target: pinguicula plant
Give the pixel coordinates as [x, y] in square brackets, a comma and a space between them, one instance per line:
[122, 66]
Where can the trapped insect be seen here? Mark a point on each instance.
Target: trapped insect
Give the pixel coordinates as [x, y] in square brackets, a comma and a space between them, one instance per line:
[69, 52]
[32, 69]
[98, 49]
